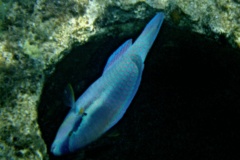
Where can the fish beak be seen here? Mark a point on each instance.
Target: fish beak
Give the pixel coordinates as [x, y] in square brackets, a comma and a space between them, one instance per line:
[55, 150]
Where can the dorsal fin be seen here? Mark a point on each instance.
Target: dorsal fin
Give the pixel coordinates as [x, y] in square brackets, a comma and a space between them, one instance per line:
[118, 53]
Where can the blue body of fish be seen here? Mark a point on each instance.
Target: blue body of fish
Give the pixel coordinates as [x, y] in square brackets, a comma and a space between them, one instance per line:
[104, 103]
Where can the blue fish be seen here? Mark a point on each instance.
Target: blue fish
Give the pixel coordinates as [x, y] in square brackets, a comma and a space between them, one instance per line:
[104, 103]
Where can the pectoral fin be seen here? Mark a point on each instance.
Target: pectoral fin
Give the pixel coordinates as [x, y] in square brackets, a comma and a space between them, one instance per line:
[68, 96]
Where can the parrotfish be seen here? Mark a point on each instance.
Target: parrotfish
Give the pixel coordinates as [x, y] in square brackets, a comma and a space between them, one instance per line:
[104, 103]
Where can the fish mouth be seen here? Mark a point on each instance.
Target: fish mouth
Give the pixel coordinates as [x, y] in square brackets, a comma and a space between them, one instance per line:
[54, 150]
[60, 149]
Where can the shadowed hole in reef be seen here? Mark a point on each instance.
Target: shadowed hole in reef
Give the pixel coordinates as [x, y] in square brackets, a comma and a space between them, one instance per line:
[187, 105]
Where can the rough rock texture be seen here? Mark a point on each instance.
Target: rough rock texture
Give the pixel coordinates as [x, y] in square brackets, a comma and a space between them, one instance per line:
[36, 35]
[215, 18]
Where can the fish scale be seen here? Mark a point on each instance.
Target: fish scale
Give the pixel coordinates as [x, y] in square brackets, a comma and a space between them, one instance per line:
[104, 103]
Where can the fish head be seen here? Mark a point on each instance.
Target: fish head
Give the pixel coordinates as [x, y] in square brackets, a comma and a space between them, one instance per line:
[71, 123]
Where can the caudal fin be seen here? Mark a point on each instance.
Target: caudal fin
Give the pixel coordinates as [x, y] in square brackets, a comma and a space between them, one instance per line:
[144, 42]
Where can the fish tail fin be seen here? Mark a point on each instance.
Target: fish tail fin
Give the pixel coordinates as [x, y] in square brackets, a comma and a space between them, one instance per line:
[147, 37]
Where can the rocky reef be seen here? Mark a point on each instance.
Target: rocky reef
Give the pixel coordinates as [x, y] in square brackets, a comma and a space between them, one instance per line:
[40, 39]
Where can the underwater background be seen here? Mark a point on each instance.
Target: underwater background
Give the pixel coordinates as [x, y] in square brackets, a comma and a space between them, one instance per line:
[187, 106]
